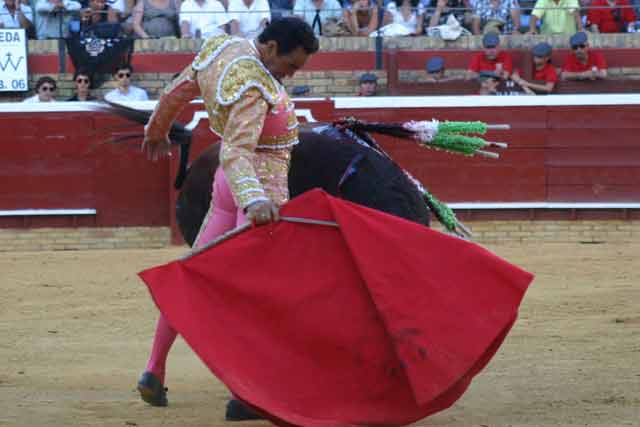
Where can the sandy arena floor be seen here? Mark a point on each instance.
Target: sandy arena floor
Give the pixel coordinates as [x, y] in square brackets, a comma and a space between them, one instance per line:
[76, 327]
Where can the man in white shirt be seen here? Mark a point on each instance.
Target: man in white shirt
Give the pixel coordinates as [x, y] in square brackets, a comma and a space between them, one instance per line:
[53, 18]
[124, 90]
[16, 14]
[317, 12]
[248, 17]
[202, 18]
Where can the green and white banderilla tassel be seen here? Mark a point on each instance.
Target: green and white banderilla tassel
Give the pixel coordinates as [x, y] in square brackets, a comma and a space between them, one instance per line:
[454, 136]
[443, 213]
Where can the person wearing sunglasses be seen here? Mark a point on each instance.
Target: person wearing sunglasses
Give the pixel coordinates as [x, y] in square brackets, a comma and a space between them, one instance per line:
[124, 90]
[582, 63]
[45, 90]
[82, 81]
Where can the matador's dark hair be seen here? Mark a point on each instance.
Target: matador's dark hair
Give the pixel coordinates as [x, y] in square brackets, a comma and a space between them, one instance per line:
[290, 33]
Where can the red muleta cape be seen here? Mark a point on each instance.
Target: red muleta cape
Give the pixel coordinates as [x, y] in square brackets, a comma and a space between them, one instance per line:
[378, 322]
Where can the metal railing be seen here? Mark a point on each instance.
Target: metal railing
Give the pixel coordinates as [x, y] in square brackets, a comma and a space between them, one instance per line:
[65, 23]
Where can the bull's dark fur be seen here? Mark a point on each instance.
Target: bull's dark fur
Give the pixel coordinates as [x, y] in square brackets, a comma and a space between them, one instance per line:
[319, 160]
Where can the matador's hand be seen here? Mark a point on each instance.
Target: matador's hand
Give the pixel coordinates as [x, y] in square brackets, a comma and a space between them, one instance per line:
[261, 213]
[156, 149]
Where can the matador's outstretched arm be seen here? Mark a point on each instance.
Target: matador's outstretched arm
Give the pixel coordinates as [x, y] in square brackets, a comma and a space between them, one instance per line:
[182, 90]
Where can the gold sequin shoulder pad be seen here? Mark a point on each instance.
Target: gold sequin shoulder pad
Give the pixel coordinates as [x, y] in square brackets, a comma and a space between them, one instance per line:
[210, 50]
[242, 74]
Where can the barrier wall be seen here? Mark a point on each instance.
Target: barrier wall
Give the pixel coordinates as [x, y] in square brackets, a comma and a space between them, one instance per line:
[563, 149]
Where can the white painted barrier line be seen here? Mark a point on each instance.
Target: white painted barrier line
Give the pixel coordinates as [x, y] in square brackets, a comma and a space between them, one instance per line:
[378, 102]
[475, 101]
[541, 205]
[47, 212]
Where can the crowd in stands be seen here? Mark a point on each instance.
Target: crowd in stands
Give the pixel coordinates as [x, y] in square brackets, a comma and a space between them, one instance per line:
[580, 64]
[124, 91]
[491, 67]
[45, 19]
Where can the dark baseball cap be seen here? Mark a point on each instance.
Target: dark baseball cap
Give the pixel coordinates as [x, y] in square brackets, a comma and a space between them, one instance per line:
[541, 49]
[435, 64]
[490, 40]
[368, 78]
[578, 39]
[300, 90]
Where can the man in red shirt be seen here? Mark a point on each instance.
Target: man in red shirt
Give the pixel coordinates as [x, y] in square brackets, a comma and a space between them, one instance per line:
[611, 16]
[491, 59]
[544, 75]
[582, 63]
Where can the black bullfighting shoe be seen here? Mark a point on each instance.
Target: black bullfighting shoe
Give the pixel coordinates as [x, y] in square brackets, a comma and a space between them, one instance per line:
[238, 411]
[152, 390]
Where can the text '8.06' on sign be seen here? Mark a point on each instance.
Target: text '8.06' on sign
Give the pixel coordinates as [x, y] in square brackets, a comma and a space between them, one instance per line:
[13, 60]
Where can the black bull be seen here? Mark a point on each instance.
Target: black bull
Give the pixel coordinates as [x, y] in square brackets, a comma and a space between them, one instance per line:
[342, 159]
[330, 160]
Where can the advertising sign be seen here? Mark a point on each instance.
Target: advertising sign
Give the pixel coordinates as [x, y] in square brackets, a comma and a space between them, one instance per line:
[13, 60]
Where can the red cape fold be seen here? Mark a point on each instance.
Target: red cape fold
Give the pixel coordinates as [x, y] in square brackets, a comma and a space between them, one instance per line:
[378, 322]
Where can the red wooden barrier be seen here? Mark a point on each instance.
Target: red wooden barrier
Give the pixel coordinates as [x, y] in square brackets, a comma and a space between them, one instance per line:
[560, 151]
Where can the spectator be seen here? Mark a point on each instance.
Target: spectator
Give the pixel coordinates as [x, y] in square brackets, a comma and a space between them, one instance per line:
[544, 71]
[124, 9]
[496, 16]
[489, 82]
[45, 90]
[82, 80]
[611, 16]
[558, 17]
[316, 13]
[300, 90]
[361, 18]
[202, 19]
[156, 18]
[368, 85]
[491, 59]
[248, 17]
[281, 8]
[53, 18]
[407, 15]
[96, 46]
[16, 14]
[440, 10]
[97, 13]
[436, 71]
[585, 5]
[582, 63]
[124, 90]
[526, 7]
[636, 6]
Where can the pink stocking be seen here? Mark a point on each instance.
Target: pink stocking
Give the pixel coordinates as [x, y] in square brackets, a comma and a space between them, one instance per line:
[164, 338]
[222, 217]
